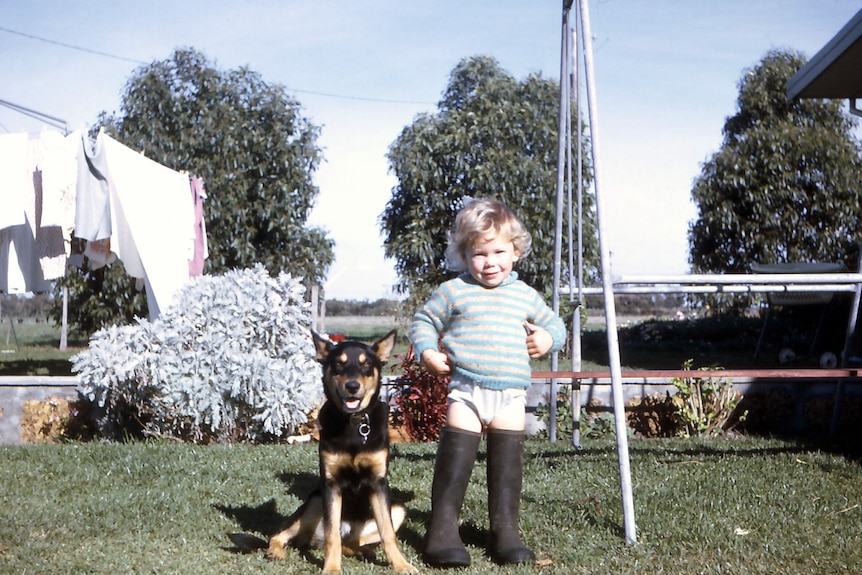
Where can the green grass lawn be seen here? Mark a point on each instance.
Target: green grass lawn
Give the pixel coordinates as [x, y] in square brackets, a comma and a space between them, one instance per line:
[33, 348]
[736, 506]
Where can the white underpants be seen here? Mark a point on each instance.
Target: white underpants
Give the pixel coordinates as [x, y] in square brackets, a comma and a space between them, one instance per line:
[486, 403]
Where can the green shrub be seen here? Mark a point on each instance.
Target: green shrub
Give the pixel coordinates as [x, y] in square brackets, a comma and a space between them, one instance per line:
[231, 360]
[701, 406]
[704, 404]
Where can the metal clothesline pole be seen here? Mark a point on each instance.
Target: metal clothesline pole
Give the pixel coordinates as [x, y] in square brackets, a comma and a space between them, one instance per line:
[575, 303]
[730, 283]
[608, 286]
[562, 144]
[568, 88]
[36, 114]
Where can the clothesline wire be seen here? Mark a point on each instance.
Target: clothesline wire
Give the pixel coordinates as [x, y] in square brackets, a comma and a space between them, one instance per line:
[134, 61]
[361, 98]
[71, 46]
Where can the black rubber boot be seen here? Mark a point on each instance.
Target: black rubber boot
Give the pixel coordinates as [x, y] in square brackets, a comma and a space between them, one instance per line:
[456, 454]
[505, 475]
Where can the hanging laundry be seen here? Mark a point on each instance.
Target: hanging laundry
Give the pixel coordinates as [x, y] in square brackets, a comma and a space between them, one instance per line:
[20, 271]
[51, 250]
[144, 208]
[30, 253]
[99, 254]
[56, 191]
[15, 178]
[57, 160]
[92, 200]
[55, 181]
[201, 250]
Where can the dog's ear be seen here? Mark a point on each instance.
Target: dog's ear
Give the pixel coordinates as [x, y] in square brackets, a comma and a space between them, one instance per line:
[384, 346]
[321, 345]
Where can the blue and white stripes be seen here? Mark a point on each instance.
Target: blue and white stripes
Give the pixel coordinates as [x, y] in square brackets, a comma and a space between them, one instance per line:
[483, 329]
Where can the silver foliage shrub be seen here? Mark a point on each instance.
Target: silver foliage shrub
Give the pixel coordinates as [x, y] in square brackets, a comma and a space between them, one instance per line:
[231, 360]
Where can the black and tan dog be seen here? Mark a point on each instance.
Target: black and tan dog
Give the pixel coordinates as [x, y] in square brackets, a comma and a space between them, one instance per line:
[352, 508]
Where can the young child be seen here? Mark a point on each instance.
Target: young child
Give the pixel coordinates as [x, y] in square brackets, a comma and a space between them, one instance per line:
[491, 324]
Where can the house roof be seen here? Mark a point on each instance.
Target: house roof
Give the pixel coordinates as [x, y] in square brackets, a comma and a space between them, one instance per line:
[836, 70]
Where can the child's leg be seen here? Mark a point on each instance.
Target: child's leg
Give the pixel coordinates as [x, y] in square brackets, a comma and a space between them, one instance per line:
[505, 475]
[462, 416]
[512, 416]
[456, 454]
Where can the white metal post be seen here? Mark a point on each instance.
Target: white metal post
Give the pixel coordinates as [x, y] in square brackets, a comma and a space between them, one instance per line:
[608, 287]
[563, 142]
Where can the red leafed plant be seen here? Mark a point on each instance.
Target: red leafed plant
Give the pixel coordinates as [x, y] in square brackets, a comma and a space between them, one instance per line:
[419, 399]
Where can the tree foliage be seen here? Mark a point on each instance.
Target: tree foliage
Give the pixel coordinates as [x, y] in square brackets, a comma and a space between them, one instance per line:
[491, 136]
[250, 143]
[98, 298]
[785, 185]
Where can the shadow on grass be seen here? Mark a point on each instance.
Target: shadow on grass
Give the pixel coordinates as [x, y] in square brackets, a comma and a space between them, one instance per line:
[300, 485]
[849, 447]
[265, 519]
[471, 534]
[45, 367]
[662, 454]
[664, 450]
[396, 453]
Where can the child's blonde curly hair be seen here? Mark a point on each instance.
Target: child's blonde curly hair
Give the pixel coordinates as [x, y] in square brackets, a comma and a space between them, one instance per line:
[484, 219]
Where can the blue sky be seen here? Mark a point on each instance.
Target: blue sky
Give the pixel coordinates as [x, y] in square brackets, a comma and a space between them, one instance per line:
[666, 79]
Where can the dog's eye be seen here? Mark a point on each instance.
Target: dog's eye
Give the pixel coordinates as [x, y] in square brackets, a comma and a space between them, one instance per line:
[338, 367]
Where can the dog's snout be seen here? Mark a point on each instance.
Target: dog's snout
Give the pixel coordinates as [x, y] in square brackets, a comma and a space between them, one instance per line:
[352, 386]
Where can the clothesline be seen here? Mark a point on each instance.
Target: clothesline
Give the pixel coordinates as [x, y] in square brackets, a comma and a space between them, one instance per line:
[54, 121]
[126, 207]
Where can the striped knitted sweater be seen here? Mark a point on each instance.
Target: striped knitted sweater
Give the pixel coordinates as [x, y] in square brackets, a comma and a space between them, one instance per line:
[482, 329]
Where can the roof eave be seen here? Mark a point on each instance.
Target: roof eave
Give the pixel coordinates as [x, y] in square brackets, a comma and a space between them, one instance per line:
[836, 70]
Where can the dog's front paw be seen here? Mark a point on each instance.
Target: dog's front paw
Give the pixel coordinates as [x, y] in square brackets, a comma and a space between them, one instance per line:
[404, 567]
[275, 550]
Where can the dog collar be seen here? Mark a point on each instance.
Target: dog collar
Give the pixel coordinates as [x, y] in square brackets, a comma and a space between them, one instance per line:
[363, 423]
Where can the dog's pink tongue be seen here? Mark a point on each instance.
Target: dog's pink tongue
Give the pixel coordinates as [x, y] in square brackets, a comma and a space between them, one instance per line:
[351, 403]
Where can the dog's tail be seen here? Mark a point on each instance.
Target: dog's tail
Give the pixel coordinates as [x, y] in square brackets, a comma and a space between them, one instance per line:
[246, 542]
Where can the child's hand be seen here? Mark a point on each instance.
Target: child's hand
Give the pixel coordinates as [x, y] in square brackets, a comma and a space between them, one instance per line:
[436, 362]
[539, 340]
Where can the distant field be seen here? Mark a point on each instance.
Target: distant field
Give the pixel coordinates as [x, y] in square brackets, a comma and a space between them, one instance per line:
[32, 348]
[362, 327]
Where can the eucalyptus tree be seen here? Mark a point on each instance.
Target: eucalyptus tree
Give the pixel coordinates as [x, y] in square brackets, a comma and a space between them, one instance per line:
[492, 135]
[785, 185]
